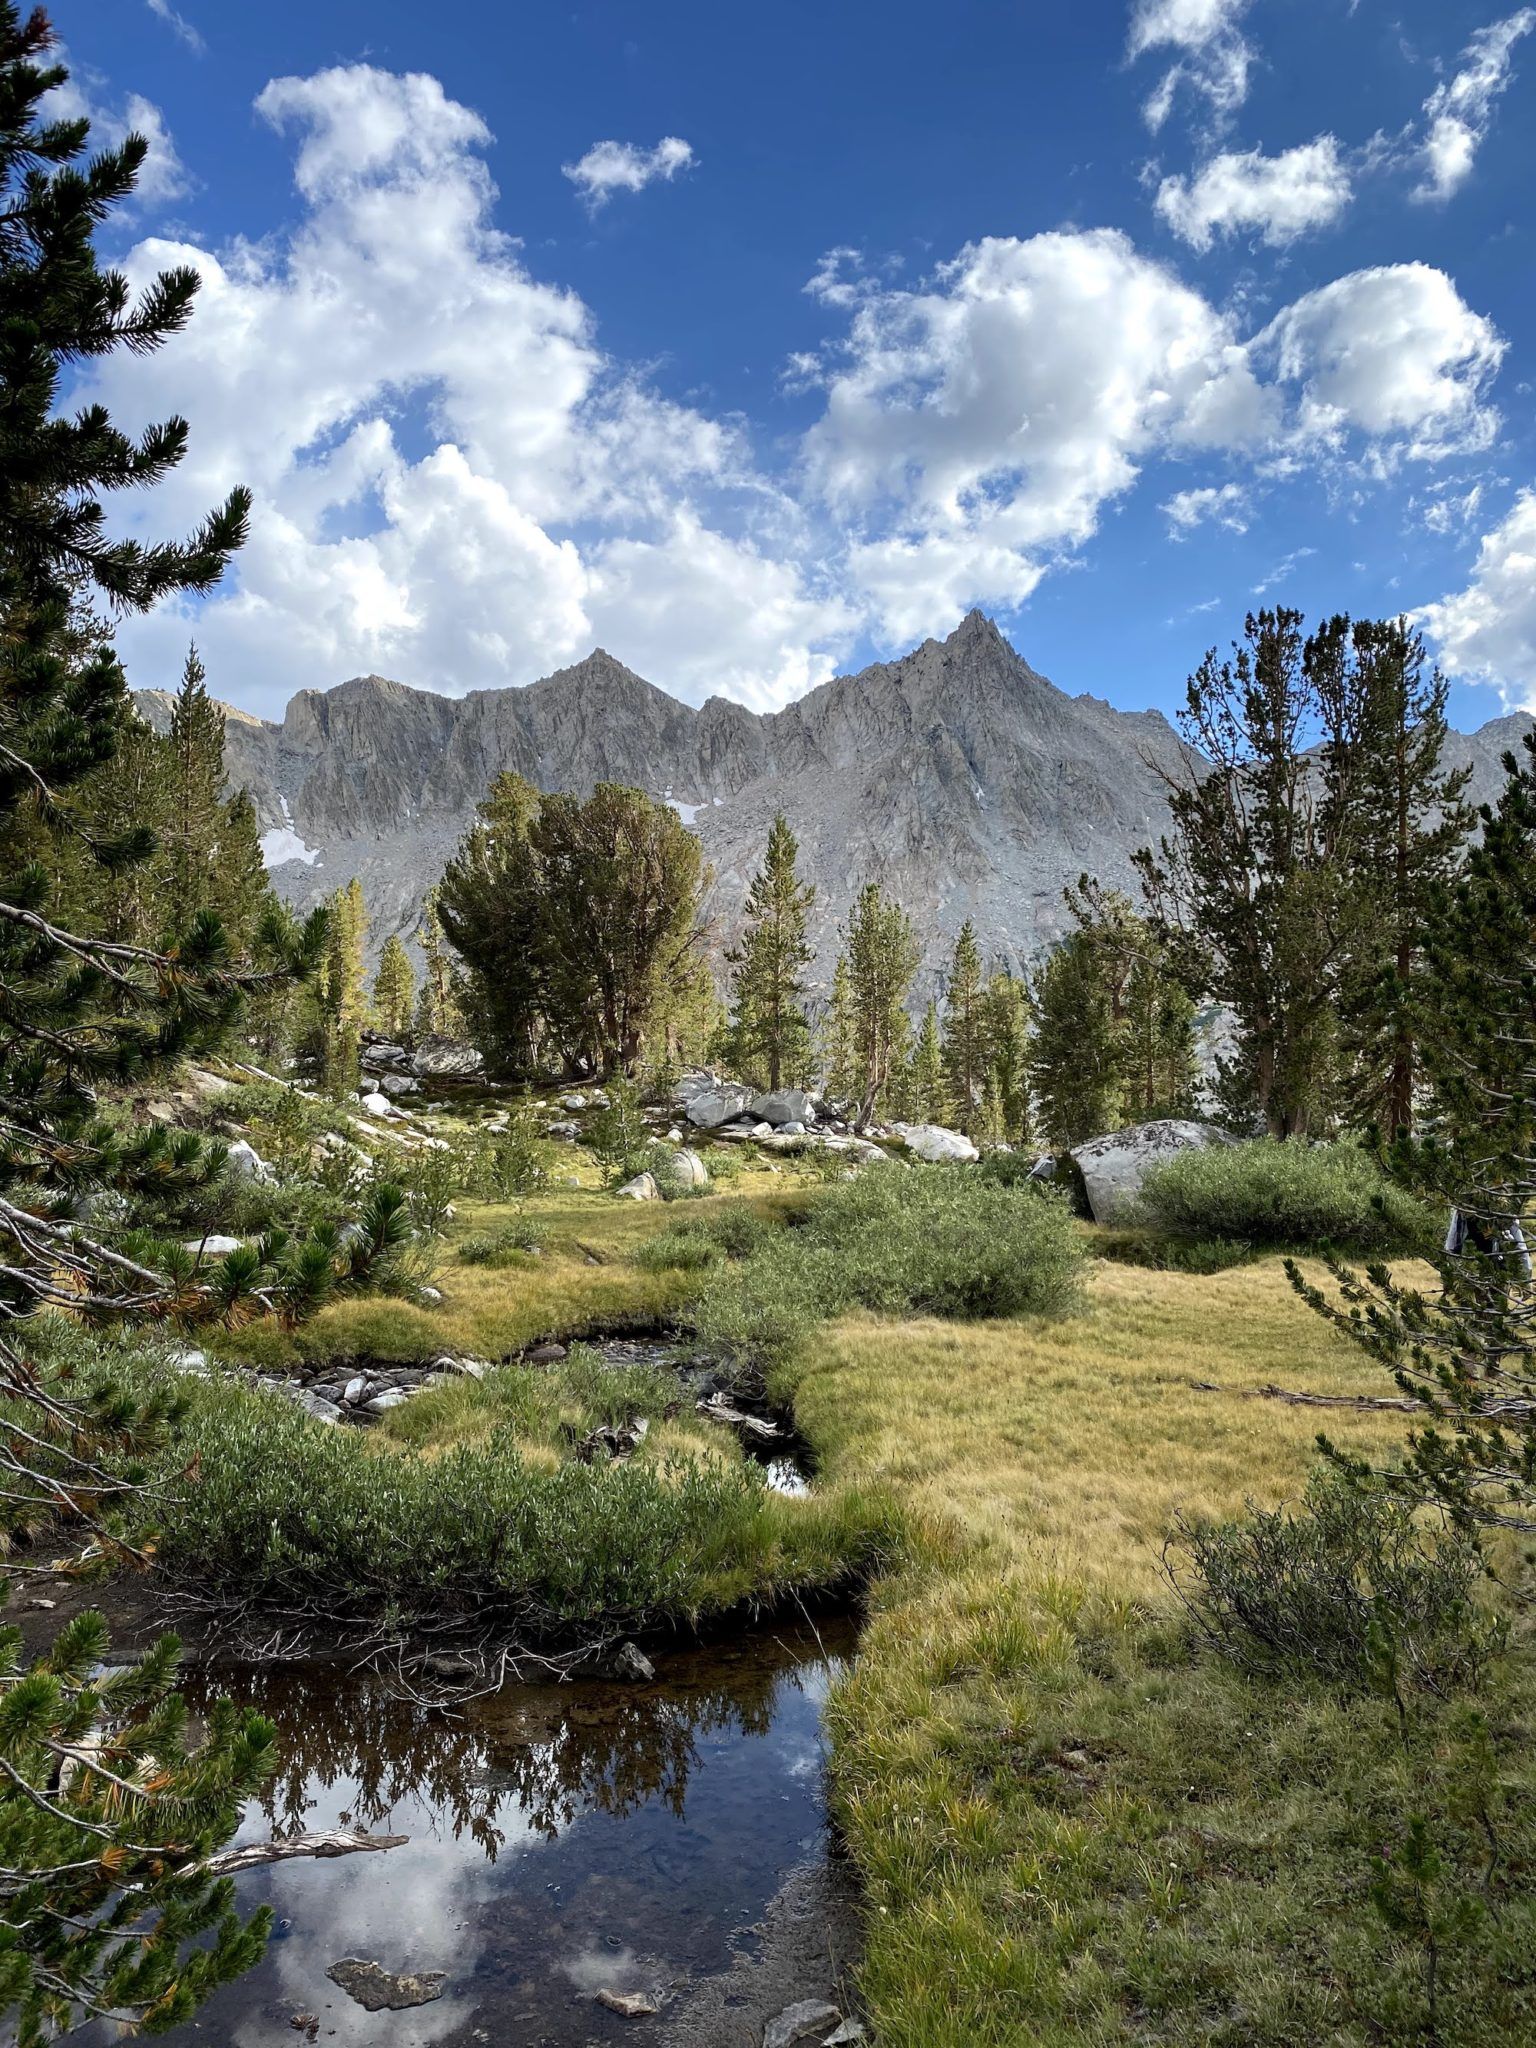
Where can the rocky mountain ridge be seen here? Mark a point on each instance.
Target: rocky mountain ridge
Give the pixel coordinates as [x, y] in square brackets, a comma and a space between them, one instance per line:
[957, 777]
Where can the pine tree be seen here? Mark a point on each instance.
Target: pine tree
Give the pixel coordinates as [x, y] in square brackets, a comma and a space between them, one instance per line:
[341, 990]
[191, 831]
[772, 1033]
[1006, 1099]
[394, 989]
[488, 908]
[438, 1010]
[837, 1037]
[100, 1903]
[965, 1030]
[1466, 1350]
[1251, 894]
[928, 1080]
[1409, 826]
[882, 959]
[239, 894]
[1075, 1060]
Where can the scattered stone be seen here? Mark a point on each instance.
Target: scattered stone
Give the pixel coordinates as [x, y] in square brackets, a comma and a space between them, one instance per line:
[793, 1129]
[392, 1397]
[317, 1407]
[849, 2032]
[432, 1294]
[690, 1169]
[446, 1059]
[563, 1130]
[642, 1188]
[381, 1053]
[631, 2005]
[674, 1136]
[630, 1661]
[41, 1605]
[933, 1143]
[246, 1163]
[802, 2022]
[573, 1102]
[546, 1354]
[400, 1084]
[716, 1106]
[354, 1390]
[782, 1106]
[379, 1990]
[211, 1247]
[377, 1104]
[1113, 1167]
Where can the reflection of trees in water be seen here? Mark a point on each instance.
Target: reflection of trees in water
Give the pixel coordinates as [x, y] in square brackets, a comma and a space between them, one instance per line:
[554, 1751]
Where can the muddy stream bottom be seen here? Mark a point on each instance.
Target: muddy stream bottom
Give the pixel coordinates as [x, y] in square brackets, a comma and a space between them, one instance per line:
[668, 1839]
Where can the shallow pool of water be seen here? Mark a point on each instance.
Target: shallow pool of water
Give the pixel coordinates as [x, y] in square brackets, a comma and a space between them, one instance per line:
[668, 1839]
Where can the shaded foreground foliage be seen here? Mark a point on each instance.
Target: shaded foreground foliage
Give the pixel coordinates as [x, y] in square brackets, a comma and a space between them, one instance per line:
[1286, 1195]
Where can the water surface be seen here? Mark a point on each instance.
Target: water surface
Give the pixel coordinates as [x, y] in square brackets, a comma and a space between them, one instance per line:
[563, 1840]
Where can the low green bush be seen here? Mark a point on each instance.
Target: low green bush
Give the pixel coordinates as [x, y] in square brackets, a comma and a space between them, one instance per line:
[511, 1245]
[698, 1242]
[935, 1240]
[1348, 1587]
[1163, 1253]
[1292, 1195]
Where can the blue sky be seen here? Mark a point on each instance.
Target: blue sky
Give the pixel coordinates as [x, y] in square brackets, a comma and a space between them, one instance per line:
[1129, 316]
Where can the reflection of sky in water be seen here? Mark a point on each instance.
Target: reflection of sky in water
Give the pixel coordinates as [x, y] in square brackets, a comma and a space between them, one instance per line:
[562, 1843]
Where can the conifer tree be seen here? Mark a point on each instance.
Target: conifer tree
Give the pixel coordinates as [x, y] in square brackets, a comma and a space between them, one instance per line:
[1075, 1063]
[341, 989]
[438, 1011]
[928, 1083]
[965, 1030]
[1408, 824]
[1252, 891]
[394, 989]
[239, 893]
[488, 908]
[836, 1036]
[100, 1895]
[772, 1033]
[1006, 1099]
[1466, 1350]
[194, 811]
[882, 957]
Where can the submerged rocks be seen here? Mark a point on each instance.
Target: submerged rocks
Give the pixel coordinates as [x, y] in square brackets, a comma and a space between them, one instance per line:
[811, 2020]
[1114, 1166]
[379, 1990]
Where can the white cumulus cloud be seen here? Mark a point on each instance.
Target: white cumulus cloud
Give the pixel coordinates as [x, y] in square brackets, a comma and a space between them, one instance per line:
[1278, 198]
[453, 484]
[1210, 505]
[1214, 56]
[1459, 113]
[1487, 632]
[610, 167]
[162, 176]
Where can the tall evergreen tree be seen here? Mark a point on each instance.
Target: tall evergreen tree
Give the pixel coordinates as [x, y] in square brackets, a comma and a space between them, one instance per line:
[836, 1036]
[341, 991]
[1466, 1350]
[394, 989]
[1007, 1104]
[771, 1031]
[488, 906]
[928, 1082]
[99, 1893]
[438, 1009]
[1075, 1054]
[965, 1030]
[882, 957]
[194, 811]
[1407, 825]
[1253, 889]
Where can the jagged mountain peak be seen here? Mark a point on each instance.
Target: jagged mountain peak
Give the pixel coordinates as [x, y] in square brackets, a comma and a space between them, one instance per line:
[955, 775]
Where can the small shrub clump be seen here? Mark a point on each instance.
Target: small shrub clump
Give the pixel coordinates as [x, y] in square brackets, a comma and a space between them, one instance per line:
[699, 1243]
[1348, 1588]
[926, 1240]
[1294, 1196]
[510, 1245]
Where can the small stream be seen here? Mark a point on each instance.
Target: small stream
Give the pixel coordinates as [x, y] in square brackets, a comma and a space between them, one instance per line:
[667, 1838]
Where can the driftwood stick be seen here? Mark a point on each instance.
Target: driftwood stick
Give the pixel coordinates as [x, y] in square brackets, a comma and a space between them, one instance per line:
[328, 1842]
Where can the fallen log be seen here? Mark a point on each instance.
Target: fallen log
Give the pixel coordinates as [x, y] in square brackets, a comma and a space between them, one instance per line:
[737, 1418]
[325, 1842]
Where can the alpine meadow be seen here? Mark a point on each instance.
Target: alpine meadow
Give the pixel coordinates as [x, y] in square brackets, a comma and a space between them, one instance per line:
[842, 1352]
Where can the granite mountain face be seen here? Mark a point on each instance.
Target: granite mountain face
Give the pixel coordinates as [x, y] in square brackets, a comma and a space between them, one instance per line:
[957, 777]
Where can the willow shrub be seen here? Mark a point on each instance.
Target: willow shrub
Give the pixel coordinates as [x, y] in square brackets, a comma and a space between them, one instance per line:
[298, 1518]
[1290, 1195]
[928, 1240]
